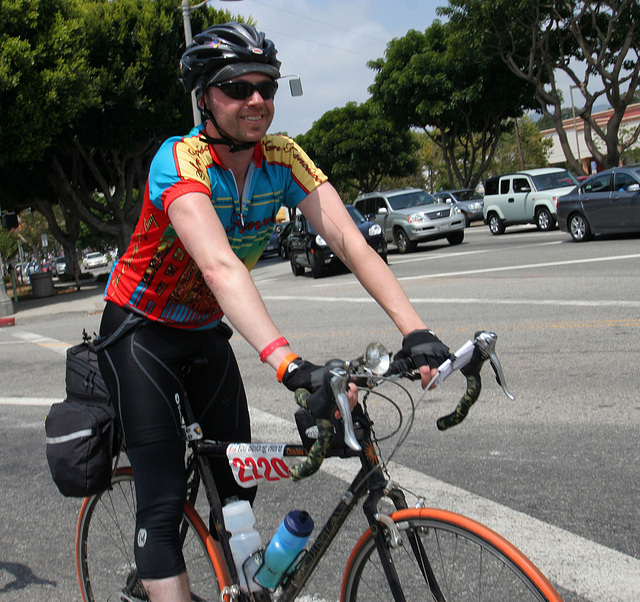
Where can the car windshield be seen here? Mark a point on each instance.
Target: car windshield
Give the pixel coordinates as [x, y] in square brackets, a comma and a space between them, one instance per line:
[411, 199]
[467, 195]
[358, 218]
[94, 255]
[556, 179]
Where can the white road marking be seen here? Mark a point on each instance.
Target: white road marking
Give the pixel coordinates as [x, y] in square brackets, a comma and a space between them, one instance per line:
[466, 300]
[36, 339]
[529, 266]
[28, 401]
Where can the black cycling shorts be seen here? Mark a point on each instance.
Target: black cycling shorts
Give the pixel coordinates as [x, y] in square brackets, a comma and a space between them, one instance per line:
[146, 370]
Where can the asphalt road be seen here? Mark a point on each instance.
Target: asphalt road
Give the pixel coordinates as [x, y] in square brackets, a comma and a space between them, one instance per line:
[556, 471]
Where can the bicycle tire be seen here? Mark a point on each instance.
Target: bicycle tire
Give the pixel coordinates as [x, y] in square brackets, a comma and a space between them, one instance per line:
[104, 548]
[469, 562]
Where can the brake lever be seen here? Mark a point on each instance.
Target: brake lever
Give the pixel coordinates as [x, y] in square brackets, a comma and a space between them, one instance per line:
[338, 382]
[486, 344]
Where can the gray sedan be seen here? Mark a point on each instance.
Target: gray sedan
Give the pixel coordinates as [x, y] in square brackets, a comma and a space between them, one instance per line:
[605, 203]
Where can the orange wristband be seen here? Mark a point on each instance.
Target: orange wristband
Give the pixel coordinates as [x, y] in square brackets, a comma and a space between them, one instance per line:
[271, 347]
[284, 364]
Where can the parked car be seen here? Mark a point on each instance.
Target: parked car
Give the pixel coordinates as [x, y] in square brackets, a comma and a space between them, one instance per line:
[410, 216]
[273, 247]
[60, 265]
[94, 260]
[307, 249]
[525, 197]
[467, 200]
[283, 240]
[606, 203]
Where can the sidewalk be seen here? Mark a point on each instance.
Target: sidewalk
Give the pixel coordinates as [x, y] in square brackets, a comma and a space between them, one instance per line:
[65, 300]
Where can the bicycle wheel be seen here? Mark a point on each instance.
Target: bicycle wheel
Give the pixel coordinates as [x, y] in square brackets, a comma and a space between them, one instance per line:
[104, 548]
[466, 560]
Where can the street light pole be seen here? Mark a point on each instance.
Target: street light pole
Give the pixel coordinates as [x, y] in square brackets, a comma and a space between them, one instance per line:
[188, 38]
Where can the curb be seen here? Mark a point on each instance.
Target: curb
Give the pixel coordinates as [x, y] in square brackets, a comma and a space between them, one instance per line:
[7, 322]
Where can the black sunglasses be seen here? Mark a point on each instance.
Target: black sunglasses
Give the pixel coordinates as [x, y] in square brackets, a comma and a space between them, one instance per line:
[239, 90]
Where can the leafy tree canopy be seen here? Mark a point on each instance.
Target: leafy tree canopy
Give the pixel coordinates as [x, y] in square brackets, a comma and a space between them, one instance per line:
[595, 44]
[356, 146]
[443, 82]
[46, 81]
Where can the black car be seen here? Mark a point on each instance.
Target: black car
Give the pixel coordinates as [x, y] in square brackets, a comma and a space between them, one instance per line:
[307, 249]
[274, 246]
[283, 240]
[605, 203]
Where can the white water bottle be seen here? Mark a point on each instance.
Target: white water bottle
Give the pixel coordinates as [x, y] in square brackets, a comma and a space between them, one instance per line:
[292, 535]
[244, 540]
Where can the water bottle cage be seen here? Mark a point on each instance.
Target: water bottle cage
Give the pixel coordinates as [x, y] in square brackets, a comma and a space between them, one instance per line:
[259, 558]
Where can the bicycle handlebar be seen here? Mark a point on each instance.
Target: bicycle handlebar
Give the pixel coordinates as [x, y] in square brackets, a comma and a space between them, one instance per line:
[469, 359]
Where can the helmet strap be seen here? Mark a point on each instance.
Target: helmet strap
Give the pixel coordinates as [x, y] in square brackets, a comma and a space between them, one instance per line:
[234, 146]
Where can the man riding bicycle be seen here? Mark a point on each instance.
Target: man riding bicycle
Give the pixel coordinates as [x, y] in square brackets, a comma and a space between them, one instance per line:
[208, 211]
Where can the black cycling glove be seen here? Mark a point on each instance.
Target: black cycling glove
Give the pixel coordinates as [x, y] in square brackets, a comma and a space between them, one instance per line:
[302, 375]
[315, 379]
[424, 348]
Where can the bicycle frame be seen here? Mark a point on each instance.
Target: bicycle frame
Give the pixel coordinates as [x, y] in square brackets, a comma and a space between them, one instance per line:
[369, 481]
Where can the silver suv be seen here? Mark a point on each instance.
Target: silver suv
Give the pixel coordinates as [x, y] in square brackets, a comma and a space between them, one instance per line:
[525, 197]
[411, 215]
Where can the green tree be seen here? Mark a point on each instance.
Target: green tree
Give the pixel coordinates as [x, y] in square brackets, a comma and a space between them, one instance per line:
[100, 167]
[443, 82]
[92, 88]
[356, 147]
[46, 82]
[595, 44]
[45, 78]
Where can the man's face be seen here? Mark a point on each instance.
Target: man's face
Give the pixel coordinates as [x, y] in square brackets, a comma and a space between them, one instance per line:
[245, 120]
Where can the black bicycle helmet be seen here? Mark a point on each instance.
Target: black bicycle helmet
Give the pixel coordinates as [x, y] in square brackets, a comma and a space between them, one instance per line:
[223, 52]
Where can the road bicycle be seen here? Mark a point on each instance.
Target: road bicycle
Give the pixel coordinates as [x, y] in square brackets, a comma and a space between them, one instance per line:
[405, 554]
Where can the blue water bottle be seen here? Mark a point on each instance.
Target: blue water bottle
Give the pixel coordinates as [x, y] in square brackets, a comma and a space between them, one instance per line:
[291, 536]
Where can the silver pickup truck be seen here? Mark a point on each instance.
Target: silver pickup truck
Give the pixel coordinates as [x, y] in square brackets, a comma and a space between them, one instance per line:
[409, 216]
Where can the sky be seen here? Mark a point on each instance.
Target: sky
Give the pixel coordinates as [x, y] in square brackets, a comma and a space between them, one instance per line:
[328, 44]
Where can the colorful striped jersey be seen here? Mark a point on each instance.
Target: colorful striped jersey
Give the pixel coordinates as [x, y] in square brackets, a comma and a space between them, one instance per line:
[156, 276]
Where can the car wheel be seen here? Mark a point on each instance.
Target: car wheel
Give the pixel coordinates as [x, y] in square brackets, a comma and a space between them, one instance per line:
[496, 225]
[544, 220]
[456, 238]
[403, 243]
[467, 221]
[579, 228]
[283, 252]
[298, 270]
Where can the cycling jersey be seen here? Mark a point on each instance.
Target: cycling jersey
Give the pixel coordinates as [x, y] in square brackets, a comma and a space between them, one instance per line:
[156, 276]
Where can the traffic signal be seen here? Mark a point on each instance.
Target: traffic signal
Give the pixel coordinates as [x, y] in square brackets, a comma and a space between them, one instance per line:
[10, 220]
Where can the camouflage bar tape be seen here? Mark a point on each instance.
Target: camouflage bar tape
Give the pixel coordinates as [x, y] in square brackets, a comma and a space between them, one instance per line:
[474, 386]
[318, 450]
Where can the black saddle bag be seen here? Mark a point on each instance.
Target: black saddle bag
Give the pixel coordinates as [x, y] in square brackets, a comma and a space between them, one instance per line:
[82, 435]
